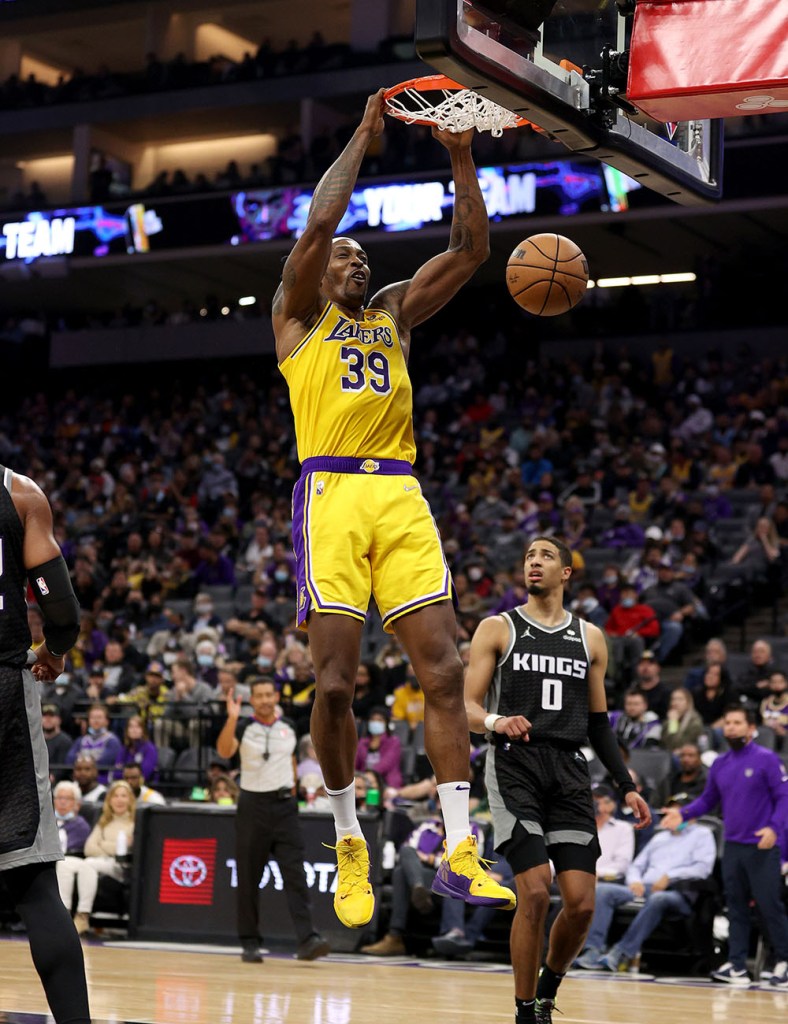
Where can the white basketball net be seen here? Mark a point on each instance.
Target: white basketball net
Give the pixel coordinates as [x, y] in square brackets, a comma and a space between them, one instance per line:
[457, 111]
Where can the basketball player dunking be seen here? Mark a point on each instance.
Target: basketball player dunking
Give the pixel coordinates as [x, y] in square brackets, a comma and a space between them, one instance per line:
[29, 839]
[535, 683]
[360, 524]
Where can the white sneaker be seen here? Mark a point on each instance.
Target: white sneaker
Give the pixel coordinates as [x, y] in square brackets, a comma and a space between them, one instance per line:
[779, 978]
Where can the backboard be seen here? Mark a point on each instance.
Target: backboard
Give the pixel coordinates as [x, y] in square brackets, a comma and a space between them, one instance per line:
[568, 76]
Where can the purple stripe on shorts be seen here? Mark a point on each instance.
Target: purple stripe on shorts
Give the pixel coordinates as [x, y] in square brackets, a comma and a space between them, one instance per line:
[303, 601]
[373, 467]
[420, 602]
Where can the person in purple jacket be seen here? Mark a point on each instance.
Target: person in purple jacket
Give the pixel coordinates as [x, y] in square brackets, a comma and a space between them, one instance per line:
[379, 750]
[137, 749]
[751, 784]
[99, 741]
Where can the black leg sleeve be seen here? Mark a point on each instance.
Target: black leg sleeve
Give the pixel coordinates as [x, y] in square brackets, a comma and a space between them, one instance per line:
[54, 943]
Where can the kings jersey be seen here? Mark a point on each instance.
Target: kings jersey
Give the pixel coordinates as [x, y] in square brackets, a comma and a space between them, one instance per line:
[350, 390]
[543, 675]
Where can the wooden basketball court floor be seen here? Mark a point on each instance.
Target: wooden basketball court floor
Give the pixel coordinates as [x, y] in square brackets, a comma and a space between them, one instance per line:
[210, 985]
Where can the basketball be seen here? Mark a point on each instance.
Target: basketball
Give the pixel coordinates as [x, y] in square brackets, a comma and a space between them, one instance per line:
[547, 274]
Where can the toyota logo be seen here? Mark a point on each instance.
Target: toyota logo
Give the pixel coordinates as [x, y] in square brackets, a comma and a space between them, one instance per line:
[188, 871]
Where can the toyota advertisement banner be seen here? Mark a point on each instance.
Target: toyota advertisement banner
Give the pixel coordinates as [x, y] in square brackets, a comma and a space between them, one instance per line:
[184, 880]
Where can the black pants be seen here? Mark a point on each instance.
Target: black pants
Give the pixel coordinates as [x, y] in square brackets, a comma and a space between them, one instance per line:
[748, 872]
[266, 827]
[54, 943]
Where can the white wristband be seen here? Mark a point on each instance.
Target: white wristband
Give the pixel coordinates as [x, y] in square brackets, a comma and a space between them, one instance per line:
[490, 720]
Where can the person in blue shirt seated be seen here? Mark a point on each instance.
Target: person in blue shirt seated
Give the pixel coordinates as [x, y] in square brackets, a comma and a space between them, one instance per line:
[686, 853]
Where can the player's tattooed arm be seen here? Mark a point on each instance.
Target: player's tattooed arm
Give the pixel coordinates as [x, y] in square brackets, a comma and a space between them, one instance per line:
[306, 264]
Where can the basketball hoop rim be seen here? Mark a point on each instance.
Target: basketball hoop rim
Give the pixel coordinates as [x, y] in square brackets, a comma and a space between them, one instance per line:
[430, 83]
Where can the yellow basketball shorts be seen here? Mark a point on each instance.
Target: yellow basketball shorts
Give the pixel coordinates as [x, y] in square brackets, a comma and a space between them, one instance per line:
[365, 532]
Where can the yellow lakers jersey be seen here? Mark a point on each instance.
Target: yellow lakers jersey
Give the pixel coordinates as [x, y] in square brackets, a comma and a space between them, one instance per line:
[350, 390]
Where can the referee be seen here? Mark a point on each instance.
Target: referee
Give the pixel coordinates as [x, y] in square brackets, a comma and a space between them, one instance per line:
[267, 818]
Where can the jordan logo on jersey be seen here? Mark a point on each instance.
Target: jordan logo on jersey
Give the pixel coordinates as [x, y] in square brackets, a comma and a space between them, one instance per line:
[527, 633]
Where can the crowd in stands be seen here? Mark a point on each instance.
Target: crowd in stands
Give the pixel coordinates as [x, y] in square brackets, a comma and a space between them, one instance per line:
[269, 61]
[666, 478]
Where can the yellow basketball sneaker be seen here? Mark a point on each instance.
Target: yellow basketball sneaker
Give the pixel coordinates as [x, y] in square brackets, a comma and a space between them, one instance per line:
[462, 876]
[354, 901]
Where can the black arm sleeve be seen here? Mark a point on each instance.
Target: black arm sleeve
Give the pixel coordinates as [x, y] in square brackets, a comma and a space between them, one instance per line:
[51, 584]
[604, 743]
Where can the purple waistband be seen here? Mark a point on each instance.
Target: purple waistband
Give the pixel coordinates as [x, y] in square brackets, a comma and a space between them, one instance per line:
[375, 467]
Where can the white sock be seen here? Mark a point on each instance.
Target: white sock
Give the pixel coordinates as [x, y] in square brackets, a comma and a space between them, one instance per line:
[343, 807]
[456, 816]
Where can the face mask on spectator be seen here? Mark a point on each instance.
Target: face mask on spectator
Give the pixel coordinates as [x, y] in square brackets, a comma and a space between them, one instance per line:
[169, 657]
[92, 731]
[376, 728]
[263, 661]
[281, 575]
[65, 817]
[627, 602]
[610, 579]
[475, 574]
[205, 660]
[204, 610]
[588, 604]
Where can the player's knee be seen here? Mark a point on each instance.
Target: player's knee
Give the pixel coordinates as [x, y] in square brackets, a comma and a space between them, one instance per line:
[442, 679]
[580, 911]
[533, 901]
[335, 690]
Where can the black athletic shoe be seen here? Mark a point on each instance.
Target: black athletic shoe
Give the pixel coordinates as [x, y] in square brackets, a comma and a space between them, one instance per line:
[544, 1011]
[251, 953]
[312, 948]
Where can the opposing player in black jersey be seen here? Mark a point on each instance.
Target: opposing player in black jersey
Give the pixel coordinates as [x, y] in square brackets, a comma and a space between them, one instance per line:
[535, 684]
[29, 841]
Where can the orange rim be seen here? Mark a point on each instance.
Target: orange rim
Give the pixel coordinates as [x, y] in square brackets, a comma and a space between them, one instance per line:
[429, 83]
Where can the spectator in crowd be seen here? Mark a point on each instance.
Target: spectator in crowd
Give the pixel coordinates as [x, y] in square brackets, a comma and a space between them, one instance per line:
[674, 604]
[408, 703]
[609, 589]
[380, 749]
[751, 785]
[132, 773]
[752, 682]
[629, 627]
[223, 790]
[760, 557]
[715, 653]
[167, 643]
[682, 724]
[774, 708]
[98, 741]
[586, 605]
[623, 533]
[118, 675]
[150, 698]
[85, 774]
[137, 748]
[74, 831]
[204, 617]
[307, 758]
[648, 679]
[106, 847]
[754, 470]
[691, 774]
[67, 693]
[636, 726]
[368, 693]
[616, 837]
[57, 742]
[658, 876]
[714, 695]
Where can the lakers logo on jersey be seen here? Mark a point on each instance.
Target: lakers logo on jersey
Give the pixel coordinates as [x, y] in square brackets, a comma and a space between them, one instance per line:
[370, 466]
[351, 398]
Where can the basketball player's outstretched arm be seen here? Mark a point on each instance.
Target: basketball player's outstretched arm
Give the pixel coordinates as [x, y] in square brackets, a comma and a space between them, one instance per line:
[298, 295]
[601, 735]
[411, 302]
[488, 644]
